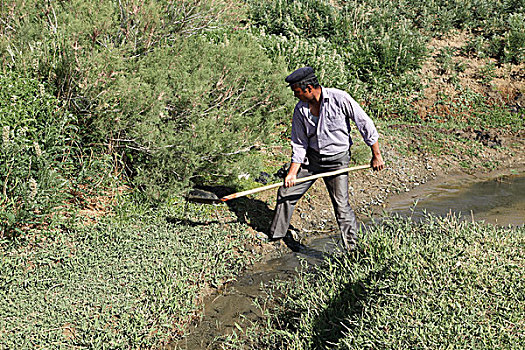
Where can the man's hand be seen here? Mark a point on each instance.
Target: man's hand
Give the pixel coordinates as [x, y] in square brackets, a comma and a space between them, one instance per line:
[377, 162]
[290, 179]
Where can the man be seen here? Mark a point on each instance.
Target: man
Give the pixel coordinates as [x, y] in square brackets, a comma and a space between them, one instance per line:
[320, 143]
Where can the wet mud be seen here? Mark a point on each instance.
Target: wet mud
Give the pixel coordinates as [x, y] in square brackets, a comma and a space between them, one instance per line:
[234, 307]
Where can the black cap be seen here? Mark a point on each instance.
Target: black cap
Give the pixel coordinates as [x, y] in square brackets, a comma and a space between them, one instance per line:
[299, 75]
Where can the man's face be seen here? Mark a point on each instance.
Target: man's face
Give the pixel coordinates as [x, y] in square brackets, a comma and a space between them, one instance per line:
[303, 95]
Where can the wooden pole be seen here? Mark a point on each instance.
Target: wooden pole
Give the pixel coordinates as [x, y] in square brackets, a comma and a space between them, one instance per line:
[303, 179]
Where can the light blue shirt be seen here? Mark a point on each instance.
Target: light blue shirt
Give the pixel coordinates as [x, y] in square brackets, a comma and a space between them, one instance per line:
[331, 133]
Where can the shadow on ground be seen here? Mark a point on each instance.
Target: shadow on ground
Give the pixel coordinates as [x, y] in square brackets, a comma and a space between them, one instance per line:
[254, 213]
[341, 311]
[251, 212]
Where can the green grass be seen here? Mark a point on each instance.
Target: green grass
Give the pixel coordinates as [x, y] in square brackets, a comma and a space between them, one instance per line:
[133, 281]
[438, 284]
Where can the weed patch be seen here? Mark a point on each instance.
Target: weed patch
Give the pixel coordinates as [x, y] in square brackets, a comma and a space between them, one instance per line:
[129, 282]
[434, 284]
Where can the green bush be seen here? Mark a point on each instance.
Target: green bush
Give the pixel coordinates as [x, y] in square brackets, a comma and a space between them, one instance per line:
[39, 141]
[514, 39]
[365, 40]
[190, 113]
[80, 46]
[182, 106]
[498, 26]
[306, 18]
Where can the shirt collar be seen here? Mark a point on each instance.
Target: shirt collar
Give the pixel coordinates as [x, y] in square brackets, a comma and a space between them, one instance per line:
[325, 93]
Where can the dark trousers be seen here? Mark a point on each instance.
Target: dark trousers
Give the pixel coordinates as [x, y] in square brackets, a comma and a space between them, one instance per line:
[337, 187]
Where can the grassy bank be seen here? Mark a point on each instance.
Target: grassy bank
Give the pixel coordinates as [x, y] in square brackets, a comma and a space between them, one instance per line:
[437, 284]
[132, 281]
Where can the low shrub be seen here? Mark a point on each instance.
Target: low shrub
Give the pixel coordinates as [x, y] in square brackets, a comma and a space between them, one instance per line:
[190, 113]
[514, 39]
[159, 84]
[361, 40]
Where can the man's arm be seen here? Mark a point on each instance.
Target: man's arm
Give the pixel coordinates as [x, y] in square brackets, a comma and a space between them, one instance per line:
[368, 131]
[377, 162]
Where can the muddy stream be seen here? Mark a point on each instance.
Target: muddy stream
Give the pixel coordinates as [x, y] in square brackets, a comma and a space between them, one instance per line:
[499, 200]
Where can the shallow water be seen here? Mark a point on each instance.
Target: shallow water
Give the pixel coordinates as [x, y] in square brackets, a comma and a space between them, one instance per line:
[498, 200]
